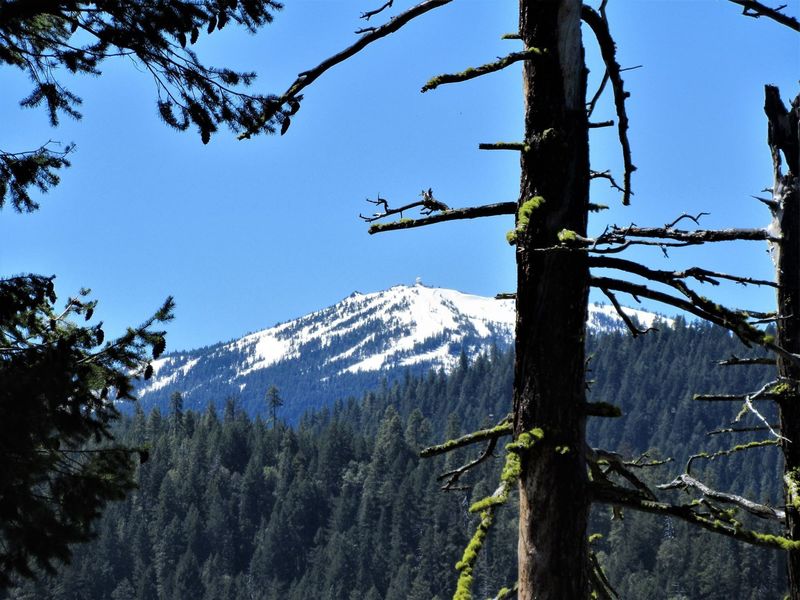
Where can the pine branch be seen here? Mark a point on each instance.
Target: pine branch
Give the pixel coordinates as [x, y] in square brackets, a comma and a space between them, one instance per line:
[474, 72]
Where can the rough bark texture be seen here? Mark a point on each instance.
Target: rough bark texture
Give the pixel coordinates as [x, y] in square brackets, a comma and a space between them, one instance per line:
[783, 139]
[551, 307]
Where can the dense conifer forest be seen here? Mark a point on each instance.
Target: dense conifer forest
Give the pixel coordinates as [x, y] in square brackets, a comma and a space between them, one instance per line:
[342, 507]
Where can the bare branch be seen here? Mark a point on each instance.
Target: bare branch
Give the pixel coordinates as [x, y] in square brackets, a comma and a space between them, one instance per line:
[590, 106]
[599, 26]
[761, 511]
[474, 72]
[602, 409]
[751, 8]
[519, 146]
[453, 476]
[619, 496]
[674, 278]
[695, 218]
[740, 430]
[600, 124]
[699, 236]
[489, 210]
[734, 321]
[371, 13]
[635, 331]
[606, 175]
[428, 205]
[735, 360]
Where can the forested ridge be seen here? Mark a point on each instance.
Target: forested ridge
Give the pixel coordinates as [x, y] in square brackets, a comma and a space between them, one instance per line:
[342, 507]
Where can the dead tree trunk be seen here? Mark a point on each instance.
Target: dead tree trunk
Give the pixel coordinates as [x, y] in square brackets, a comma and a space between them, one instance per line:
[551, 305]
[783, 138]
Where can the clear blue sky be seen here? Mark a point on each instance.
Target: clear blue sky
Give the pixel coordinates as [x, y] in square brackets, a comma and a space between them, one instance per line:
[246, 234]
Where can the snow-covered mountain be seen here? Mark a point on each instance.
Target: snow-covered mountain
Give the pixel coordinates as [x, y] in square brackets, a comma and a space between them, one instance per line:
[347, 348]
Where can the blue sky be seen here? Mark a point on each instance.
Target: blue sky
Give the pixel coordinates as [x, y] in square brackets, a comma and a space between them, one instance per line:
[247, 234]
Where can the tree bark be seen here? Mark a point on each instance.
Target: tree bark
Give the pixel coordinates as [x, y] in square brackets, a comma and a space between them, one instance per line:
[552, 297]
[783, 139]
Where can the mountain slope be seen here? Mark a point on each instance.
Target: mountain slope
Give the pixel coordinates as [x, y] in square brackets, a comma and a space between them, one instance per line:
[348, 348]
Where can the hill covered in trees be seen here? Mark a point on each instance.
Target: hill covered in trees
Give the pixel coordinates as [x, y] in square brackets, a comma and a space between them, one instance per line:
[342, 507]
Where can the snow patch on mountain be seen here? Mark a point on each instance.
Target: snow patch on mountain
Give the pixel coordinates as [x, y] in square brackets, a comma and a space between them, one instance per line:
[405, 327]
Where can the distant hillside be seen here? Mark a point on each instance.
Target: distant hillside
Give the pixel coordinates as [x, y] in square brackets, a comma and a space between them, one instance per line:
[341, 507]
[348, 348]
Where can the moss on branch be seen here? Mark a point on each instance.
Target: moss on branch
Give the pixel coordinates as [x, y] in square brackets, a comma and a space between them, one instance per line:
[473, 72]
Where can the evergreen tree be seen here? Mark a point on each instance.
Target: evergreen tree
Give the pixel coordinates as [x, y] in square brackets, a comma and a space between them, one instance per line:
[56, 374]
[58, 384]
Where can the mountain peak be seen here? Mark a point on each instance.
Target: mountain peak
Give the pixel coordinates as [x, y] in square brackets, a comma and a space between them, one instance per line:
[363, 338]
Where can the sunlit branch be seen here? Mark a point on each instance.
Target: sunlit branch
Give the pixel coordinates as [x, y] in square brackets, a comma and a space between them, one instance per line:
[728, 452]
[624, 497]
[489, 210]
[503, 428]
[761, 511]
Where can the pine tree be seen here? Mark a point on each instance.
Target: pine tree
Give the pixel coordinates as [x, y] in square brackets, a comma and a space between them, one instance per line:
[58, 384]
[56, 375]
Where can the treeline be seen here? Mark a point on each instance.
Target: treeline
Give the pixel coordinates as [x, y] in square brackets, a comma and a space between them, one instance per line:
[342, 507]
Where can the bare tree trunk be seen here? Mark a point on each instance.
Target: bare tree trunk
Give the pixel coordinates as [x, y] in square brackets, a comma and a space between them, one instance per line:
[551, 307]
[783, 138]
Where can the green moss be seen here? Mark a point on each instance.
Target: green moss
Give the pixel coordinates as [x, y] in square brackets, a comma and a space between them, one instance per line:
[768, 339]
[524, 215]
[526, 440]
[467, 562]
[566, 236]
[496, 431]
[781, 389]
[595, 537]
[775, 540]
[562, 450]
